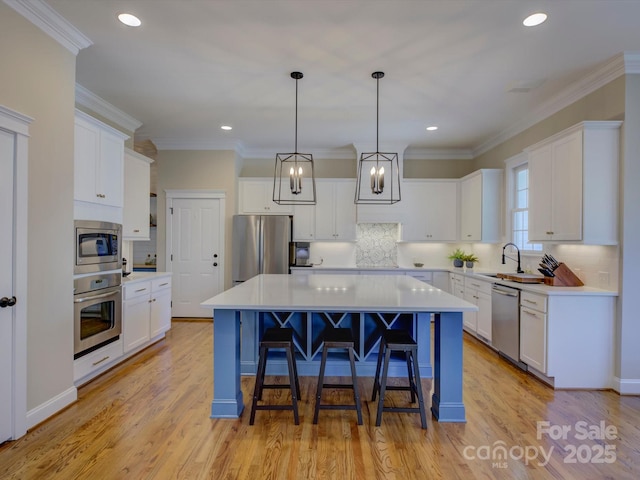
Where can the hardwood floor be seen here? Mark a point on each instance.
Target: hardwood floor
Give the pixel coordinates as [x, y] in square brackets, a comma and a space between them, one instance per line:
[149, 418]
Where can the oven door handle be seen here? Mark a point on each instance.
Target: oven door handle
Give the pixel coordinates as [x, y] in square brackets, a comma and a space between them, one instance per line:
[93, 297]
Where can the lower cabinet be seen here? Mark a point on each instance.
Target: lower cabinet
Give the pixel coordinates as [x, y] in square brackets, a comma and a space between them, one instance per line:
[479, 293]
[160, 315]
[146, 311]
[533, 331]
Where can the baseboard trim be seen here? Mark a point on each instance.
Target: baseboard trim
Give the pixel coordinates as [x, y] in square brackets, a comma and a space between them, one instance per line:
[50, 407]
[626, 386]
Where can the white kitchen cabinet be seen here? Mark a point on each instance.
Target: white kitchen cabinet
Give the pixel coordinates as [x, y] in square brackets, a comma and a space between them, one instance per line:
[304, 223]
[431, 210]
[335, 212]
[568, 340]
[441, 281]
[533, 331]
[457, 285]
[98, 162]
[481, 206]
[478, 292]
[146, 311]
[135, 325]
[256, 197]
[573, 187]
[137, 180]
[160, 315]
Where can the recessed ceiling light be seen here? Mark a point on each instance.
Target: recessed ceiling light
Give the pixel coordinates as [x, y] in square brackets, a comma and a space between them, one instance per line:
[130, 20]
[226, 127]
[432, 128]
[535, 19]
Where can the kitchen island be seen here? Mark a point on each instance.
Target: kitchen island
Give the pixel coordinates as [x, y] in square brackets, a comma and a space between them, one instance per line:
[342, 300]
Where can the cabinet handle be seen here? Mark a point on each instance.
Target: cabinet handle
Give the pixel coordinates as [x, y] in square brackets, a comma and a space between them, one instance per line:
[531, 314]
[475, 285]
[468, 235]
[100, 361]
[140, 290]
[549, 233]
[163, 284]
[530, 301]
[135, 230]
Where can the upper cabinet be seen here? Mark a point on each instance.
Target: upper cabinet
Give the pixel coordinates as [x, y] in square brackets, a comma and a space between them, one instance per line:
[98, 169]
[573, 181]
[335, 212]
[481, 206]
[431, 210]
[256, 197]
[137, 179]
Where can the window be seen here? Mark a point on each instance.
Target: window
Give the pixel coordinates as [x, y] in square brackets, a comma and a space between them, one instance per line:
[520, 211]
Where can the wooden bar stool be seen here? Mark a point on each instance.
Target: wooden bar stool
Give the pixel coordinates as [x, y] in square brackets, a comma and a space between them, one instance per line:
[398, 341]
[276, 338]
[338, 338]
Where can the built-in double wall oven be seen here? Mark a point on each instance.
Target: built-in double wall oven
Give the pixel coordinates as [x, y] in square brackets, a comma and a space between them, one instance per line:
[97, 285]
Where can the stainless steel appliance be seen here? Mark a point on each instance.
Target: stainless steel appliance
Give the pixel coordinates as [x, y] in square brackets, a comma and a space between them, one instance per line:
[299, 254]
[97, 311]
[505, 323]
[97, 246]
[260, 245]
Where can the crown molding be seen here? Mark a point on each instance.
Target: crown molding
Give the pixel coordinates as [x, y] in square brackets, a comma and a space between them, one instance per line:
[52, 23]
[93, 102]
[195, 144]
[621, 64]
[15, 121]
[438, 154]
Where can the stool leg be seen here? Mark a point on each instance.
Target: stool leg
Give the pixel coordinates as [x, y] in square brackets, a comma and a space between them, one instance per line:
[383, 386]
[323, 364]
[354, 380]
[412, 385]
[376, 379]
[295, 370]
[418, 382]
[257, 389]
[292, 385]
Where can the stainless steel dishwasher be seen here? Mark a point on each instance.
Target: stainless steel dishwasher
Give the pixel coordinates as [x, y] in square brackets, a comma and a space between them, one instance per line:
[505, 323]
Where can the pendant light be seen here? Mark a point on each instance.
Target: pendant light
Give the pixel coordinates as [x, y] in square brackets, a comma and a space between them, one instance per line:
[378, 180]
[294, 182]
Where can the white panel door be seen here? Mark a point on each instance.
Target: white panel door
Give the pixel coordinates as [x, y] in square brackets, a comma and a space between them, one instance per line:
[196, 254]
[7, 142]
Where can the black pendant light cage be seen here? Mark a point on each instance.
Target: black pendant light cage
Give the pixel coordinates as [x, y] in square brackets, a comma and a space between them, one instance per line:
[378, 176]
[294, 181]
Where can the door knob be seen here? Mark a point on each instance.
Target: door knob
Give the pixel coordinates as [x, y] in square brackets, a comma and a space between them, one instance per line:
[7, 302]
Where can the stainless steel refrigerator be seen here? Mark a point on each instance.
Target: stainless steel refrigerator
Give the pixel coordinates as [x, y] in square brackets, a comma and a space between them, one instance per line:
[260, 245]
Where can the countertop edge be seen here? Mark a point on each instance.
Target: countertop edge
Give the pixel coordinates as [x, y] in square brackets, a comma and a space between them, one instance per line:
[135, 277]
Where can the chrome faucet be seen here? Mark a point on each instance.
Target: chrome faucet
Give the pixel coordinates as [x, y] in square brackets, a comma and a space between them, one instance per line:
[519, 270]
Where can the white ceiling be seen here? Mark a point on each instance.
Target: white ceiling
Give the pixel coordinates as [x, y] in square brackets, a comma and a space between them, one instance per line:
[195, 65]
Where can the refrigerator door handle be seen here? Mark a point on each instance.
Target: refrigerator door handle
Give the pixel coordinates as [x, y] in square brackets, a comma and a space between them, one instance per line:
[260, 245]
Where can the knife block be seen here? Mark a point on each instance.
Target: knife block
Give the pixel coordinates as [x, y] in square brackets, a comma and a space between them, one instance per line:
[564, 277]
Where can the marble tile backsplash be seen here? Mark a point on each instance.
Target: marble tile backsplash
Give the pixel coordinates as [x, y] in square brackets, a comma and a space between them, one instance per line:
[376, 245]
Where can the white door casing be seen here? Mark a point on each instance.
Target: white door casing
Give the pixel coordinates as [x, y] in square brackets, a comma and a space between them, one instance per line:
[14, 131]
[195, 249]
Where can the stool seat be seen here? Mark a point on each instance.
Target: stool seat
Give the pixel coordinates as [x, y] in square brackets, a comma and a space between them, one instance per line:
[337, 338]
[394, 340]
[276, 338]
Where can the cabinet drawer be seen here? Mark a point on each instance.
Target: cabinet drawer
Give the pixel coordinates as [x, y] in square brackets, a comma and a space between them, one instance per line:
[136, 290]
[96, 360]
[479, 285]
[160, 284]
[534, 301]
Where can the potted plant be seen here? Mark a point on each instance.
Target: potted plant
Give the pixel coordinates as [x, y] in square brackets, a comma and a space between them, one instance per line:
[470, 259]
[458, 257]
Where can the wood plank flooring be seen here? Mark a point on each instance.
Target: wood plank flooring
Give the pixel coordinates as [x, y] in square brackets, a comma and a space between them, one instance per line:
[149, 419]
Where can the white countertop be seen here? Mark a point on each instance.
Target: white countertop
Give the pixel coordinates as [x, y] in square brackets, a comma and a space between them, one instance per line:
[373, 293]
[478, 273]
[134, 277]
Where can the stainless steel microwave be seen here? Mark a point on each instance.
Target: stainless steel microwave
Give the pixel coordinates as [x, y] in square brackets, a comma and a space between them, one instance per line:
[98, 246]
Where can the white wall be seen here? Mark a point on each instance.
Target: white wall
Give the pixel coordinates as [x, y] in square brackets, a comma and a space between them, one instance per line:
[38, 80]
